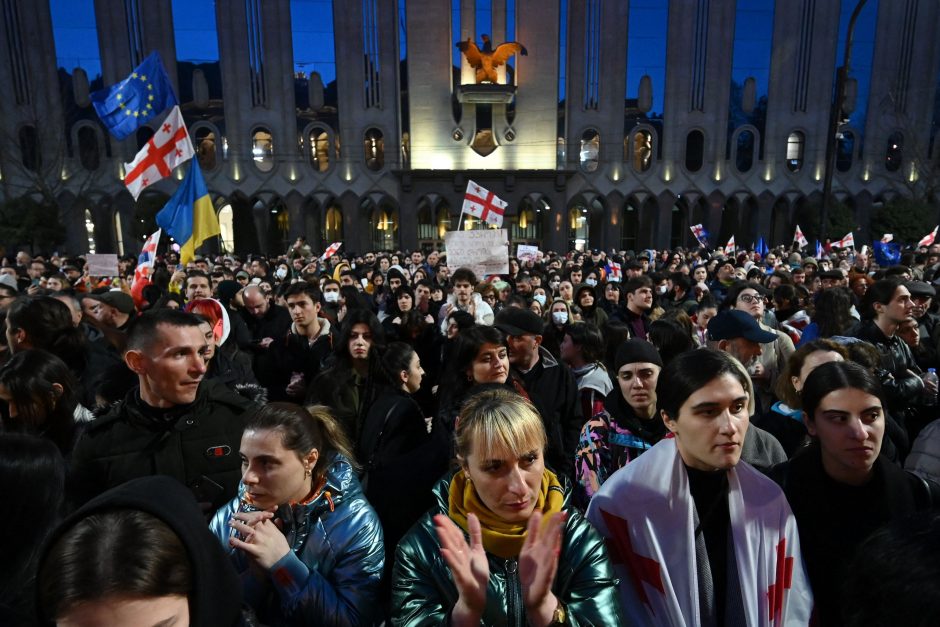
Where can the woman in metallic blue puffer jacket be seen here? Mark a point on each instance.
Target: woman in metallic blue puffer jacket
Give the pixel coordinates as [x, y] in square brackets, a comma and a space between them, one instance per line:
[306, 543]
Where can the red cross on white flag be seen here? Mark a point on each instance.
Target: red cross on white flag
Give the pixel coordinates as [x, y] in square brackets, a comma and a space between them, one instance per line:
[331, 250]
[147, 256]
[169, 147]
[730, 247]
[846, 242]
[928, 239]
[484, 204]
[799, 238]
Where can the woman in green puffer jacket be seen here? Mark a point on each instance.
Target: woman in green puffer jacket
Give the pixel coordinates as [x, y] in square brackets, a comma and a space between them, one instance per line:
[529, 559]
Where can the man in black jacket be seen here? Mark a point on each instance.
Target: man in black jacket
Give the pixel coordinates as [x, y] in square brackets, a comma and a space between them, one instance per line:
[550, 385]
[173, 423]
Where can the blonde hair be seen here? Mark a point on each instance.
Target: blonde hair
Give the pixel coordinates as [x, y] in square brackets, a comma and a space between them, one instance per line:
[498, 419]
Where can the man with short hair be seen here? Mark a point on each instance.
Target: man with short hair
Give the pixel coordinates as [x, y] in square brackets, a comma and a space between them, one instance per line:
[265, 320]
[466, 299]
[197, 285]
[330, 309]
[550, 385]
[115, 309]
[173, 423]
[639, 292]
[294, 360]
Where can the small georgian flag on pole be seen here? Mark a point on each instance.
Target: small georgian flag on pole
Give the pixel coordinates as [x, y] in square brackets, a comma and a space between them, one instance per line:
[929, 238]
[147, 256]
[729, 247]
[483, 204]
[330, 250]
[701, 235]
[799, 238]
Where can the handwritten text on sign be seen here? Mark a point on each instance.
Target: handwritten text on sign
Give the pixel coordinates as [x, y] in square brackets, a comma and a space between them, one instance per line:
[485, 252]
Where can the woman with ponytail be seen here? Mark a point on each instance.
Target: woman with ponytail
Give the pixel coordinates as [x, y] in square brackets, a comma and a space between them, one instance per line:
[307, 544]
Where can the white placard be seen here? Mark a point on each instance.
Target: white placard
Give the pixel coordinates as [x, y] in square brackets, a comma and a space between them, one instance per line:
[527, 252]
[101, 265]
[485, 251]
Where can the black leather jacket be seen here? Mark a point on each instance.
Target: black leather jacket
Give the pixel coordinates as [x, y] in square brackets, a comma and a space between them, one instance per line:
[900, 376]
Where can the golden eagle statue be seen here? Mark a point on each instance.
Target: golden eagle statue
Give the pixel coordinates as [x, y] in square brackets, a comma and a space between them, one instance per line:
[486, 60]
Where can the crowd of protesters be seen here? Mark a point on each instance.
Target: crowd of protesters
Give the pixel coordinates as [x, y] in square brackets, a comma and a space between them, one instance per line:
[610, 438]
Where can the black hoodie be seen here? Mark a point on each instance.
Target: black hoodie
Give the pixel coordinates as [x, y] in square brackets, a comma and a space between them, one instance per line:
[216, 596]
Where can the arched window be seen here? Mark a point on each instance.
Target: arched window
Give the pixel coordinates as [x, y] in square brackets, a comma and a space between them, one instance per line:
[744, 155]
[88, 153]
[333, 225]
[262, 149]
[641, 150]
[206, 148]
[894, 152]
[318, 141]
[578, 228]
[227, 228]
[795, 144]
[374, 146]
[845, 150]
[29, 148]
[443, 221]
[590, 149]
[694, 150]
[90, 231]
[526, 227]
[384, 229]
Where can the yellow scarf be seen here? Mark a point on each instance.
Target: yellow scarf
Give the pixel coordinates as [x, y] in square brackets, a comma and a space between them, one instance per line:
[500, 538]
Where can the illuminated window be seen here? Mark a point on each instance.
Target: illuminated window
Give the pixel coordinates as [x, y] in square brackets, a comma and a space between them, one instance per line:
[894, 152]
[318, 142]
[333, 225]
[374, 146]
[206, 148]
[590, 149]
[578, 226]
[795, 143]
[227, 228]
[262, 149]
[384, 229]
[641, 150]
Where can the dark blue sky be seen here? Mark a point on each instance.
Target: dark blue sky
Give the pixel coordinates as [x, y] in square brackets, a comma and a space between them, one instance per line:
[194, 23]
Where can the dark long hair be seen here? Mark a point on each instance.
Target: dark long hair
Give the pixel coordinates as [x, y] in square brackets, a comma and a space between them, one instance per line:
[116, 552]
[832, 312]
[691, 371]
[32, 473]
[47, 323]
[397, 357]
[28, 378]
[354, 317]
[455, 383]
[837, 375]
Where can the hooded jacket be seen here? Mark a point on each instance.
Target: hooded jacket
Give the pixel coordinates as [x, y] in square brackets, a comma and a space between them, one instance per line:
[423, 590]
[215, 600]
[331, 574]
[189, 443]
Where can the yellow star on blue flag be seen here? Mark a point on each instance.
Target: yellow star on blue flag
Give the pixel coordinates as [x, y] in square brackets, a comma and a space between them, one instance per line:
[136, 100]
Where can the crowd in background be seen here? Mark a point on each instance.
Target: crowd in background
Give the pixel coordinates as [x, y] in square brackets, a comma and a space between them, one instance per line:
[310, 412]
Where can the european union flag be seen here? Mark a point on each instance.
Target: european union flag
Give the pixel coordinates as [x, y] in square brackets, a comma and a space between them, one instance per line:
[887, 254]
[134, 101]
[762, 249]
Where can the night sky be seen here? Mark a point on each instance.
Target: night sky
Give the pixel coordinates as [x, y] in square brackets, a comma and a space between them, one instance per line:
[194, 20]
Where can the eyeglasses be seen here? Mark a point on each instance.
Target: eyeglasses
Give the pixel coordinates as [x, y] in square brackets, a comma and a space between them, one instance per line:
[750, 298]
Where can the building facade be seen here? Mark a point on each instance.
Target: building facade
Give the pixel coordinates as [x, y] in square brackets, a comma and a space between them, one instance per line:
[625, 122]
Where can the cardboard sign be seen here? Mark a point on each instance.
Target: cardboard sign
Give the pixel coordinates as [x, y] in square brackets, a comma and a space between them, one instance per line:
[101, 265]
[526, 252]
[485, 252]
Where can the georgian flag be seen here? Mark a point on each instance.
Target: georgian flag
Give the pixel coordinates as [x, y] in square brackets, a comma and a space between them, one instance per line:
[888, 237]
[330, 250]
[799, 238]
[614, 275]
[169, 147]
[698, 230]
[846, 242]
[484, 204]
[646, 514]
[928, 239]
[146, 258]
[729, 247]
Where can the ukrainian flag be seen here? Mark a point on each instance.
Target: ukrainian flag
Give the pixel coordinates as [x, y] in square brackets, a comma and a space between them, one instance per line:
[189, 216]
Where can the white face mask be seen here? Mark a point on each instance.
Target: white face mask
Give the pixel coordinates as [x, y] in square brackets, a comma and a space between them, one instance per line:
[591, 282]
[661, 290]
[560, 317]
[280, 273]
[540, 299]
[331, 297]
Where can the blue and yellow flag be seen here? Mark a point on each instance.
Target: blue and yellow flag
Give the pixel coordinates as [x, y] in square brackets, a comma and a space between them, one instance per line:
[136, 100]
[189, 216]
